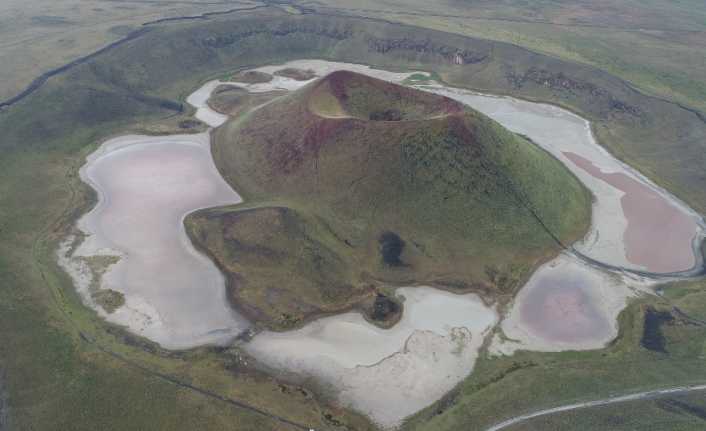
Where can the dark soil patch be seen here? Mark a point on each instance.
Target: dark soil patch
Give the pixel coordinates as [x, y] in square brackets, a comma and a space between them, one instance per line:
[384, 308]
[652, 337]
[391, 247]
[189, 124]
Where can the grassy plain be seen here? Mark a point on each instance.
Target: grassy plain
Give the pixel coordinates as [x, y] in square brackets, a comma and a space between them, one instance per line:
[55, 379]
[39, 35]
[676, 413]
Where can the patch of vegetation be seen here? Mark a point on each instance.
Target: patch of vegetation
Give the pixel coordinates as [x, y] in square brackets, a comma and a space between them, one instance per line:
[282, 266]
[296, 74]
[507, 278]
[251, 77]
[418, 78]
[109, 299]
[234, 101]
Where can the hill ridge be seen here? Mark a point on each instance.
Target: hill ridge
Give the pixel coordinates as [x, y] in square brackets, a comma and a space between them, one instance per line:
[337, 91]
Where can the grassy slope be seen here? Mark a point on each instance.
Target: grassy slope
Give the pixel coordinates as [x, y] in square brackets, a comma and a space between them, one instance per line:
[459, 190]
[50, 374]
[675, 413]
[39, 35]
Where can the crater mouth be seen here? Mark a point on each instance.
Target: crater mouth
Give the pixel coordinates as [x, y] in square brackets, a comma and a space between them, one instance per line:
[345, 94]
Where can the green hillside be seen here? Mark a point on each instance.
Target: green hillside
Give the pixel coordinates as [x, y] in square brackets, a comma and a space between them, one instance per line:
[354, 183]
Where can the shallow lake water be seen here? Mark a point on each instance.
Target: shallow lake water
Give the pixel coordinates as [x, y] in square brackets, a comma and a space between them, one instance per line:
[146, 185]
[658, 233]
[387, 373]
[176, 297]
[566, 305]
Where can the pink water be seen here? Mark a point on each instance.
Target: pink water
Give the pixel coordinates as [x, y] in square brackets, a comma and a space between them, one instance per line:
[659, 234]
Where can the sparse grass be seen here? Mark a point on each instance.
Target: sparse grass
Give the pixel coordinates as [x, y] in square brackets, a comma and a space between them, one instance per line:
[109, 299]
[251, 77]
[235, 101]
[419, 78]
[297, 74]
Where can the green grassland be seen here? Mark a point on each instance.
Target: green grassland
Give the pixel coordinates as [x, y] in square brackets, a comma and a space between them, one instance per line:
[353, 183]
[675, 413]
[57, 371]
[39, 35]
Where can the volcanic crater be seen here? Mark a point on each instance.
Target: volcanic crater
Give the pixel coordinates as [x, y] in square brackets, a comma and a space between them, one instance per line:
[349, 159]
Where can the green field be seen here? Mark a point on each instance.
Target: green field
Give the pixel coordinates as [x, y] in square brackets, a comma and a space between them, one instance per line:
[39, 35]
[677, 413]
[55, 377]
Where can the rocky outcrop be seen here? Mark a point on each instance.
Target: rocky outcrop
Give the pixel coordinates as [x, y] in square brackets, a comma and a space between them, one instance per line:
[562, 82]
[452, 54]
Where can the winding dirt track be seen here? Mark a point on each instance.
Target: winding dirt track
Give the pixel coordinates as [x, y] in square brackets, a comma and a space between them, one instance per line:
[597, 403]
